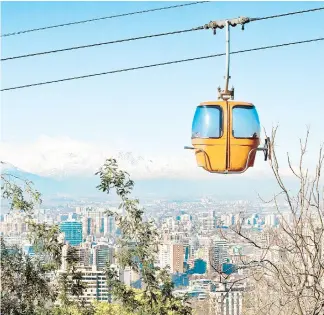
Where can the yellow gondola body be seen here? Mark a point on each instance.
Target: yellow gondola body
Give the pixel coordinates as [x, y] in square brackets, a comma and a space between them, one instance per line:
[225, 136]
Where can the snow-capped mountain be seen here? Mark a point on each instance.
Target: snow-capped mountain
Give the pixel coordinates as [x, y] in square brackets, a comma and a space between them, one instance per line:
[65, 166]
[85, 186]
[61, 157]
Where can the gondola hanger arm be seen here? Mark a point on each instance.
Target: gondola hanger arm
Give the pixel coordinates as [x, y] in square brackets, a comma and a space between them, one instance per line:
[242, 20]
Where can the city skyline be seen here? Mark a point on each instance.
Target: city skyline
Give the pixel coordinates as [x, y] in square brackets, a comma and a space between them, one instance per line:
[190, 243]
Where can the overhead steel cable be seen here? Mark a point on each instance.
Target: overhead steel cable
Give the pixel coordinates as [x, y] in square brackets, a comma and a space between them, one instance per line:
[289, 13]
[102, 43]
[211, 24]
[102, 18]
[160, 64]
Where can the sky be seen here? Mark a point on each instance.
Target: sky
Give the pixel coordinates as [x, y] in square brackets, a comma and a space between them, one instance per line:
[149, 112]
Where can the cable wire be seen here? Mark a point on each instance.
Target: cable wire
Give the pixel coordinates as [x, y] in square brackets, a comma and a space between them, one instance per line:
[102, 43]
[287, 14]
[101, 18]
[147, 36]
[161, 64]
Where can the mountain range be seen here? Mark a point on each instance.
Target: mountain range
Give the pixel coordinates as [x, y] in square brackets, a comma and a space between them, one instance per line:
[61, 167]
[220, 186]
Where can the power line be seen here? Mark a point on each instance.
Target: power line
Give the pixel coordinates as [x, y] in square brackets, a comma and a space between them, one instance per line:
[212, 24]
[102, 18]
[161, 64]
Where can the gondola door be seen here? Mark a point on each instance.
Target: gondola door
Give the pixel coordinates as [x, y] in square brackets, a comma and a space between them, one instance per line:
[210, 135]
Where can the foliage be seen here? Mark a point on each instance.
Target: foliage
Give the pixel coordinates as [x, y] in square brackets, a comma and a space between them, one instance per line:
[72, 309]
[70, 283]
[138, 247]
[104, 308]
[24, 286]
[97, 308]
[20, 193]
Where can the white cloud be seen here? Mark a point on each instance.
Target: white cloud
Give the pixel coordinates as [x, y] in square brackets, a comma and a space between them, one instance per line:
[63, 156]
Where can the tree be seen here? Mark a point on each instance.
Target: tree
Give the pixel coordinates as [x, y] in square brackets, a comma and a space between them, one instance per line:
[25, 284]
[138, 247]
[104, 308]
[25, 289]
[287, 278]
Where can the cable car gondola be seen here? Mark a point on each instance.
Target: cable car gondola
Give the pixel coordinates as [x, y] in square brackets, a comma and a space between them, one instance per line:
[226, 133]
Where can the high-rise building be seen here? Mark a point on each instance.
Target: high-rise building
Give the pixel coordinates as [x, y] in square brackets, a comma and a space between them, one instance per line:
[109, 225]
[101, 254]
[177, 258]
[225, 220]
[84, 254]
[87, 226]
[164, 255]
[13, 224]
[207, 221]
[72, 232]
[270, 220]
[225, 301]
[172, 255]
[220, 254]
[130, 277]
[169, 223]
[97, 223]
[95, 285]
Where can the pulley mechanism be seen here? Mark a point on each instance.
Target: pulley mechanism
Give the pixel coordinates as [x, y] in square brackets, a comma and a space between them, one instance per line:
[227, 93]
